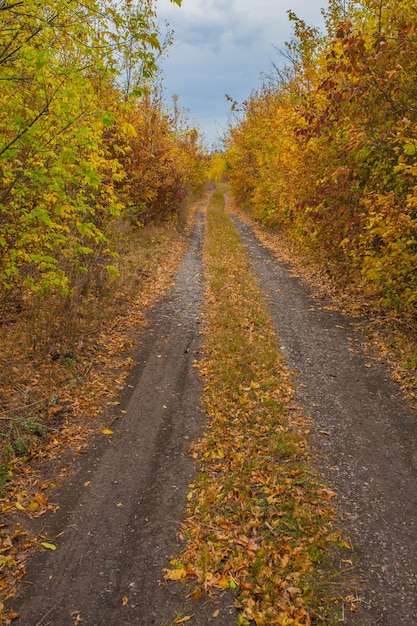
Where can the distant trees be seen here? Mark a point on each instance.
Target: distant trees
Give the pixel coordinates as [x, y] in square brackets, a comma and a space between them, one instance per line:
[326, 149]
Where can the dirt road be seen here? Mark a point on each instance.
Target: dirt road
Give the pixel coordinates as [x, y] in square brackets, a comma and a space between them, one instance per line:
[121, 509]
[120, 512]
[363, 434]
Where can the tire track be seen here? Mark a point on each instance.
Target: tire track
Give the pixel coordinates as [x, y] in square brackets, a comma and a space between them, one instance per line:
[120, 511]
[363, 434]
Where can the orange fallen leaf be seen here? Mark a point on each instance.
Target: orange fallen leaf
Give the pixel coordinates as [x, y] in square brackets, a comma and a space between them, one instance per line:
[40, 499]
[125, 600]
[182, 620]
[197, 594]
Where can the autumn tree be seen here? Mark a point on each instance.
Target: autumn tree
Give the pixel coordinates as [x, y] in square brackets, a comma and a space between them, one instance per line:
[70, 72]
[327, 148]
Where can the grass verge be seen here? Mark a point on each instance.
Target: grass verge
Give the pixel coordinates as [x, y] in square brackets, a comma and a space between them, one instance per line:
[258, 522]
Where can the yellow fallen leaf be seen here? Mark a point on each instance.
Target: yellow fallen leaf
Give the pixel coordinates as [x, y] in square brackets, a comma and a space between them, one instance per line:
[175, 574]
[182, 620]
[48, 546]
[19, 507]
[125, 600]
[107, 431]
[216, 613]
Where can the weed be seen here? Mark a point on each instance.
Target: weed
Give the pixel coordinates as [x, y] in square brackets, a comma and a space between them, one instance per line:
[20, 439]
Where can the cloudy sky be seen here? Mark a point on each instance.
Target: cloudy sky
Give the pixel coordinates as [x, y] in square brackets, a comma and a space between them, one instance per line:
[223, 46]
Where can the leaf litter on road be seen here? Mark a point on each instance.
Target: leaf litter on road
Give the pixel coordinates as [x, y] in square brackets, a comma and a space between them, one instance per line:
[259, 522]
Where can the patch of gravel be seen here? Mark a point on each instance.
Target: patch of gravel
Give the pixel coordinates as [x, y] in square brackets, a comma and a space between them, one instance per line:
[363, 433]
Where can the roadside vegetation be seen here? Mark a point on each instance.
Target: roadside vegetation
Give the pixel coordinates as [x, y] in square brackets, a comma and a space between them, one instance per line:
[325, 151]
[94, 165]
[97, 173]
[258, 519]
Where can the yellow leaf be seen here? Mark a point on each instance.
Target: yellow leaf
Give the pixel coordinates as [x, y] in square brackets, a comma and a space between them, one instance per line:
[223, 583]
[48, 546]
[216, 613]
[107, 431]
[19, 507]
[125, 600]
[175, 574]
[182, 620]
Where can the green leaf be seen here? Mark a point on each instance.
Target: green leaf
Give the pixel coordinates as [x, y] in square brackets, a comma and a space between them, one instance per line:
[112, 270]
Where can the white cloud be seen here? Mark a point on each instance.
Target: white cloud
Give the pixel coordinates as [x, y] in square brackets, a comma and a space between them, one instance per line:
[223, 47]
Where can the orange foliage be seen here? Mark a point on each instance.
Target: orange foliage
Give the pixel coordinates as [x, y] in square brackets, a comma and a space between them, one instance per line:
[328, 153]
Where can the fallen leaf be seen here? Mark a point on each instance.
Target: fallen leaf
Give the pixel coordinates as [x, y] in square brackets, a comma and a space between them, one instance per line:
[182, 620]
[40, 499]
[107, 431]
[48, 546]
[197, 594]
[175, 574]
[125, 600]
[11, 615]
[293, 592]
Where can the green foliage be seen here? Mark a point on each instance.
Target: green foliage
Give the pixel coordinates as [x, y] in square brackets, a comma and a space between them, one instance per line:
[74, 83]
